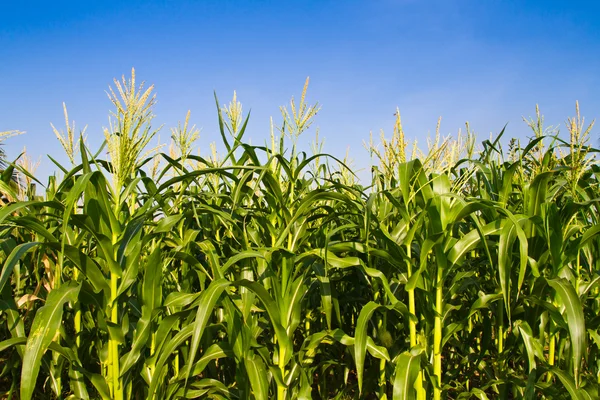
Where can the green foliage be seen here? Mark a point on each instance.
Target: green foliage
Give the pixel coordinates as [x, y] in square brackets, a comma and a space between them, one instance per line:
[266, 273]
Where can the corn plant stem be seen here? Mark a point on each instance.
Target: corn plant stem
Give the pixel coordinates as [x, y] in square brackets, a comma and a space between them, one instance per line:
[55, 359]
[411, 305]
[152, 351]
[58, 271]
[113, 345]
[57, 284]
[551, 349]
[281, 391]
[382, 381]
[577, 282]
[437, 342]
[381, 326]
[437, 334]
[470, 329]
[77, 319]
[560, 344]
[412, 325]
[77, 323]
[500, 324]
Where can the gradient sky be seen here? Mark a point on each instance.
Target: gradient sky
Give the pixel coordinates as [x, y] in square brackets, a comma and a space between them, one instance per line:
[487, 62]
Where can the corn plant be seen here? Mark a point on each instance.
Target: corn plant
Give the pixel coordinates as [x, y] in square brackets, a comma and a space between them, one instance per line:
[458, 272]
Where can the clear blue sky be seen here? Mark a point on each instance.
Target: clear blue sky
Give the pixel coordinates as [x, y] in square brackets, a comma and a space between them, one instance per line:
[487, 62]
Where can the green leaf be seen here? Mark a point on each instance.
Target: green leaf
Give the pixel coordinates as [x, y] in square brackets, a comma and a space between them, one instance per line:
[167, 223]
[43, 330]
[12, 260]
[239, 257]
[153, 275]
[85, 264]
[575, 320]
[257, 374]
[569, 383]
[140, 338]
[77, 383]
[214, 352]
[532, 346]
[407, 371]
[274, 315]
[507, 238]
[469, 241]
[206, 304]
[167, 352]
[8, 343]
[484, 301]
[360, 337]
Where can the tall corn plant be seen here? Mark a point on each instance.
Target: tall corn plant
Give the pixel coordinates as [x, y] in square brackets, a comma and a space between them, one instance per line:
[264, 272]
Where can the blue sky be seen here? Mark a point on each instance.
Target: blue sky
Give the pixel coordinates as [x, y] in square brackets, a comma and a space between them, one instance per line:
[486, 62]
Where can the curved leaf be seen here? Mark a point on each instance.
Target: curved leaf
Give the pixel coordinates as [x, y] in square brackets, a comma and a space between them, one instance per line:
[43, 330]
[575, 320]
[407, 371]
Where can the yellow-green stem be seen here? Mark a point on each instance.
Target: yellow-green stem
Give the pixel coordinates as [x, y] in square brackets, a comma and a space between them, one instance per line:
[500, 323]
[412, 326]
[152, 350]
[551, 351]
[437, 334]
[578, 273]
[381, 328]
[281, 391]
[411, 304]
[77, 320]
[500, 339]
[113, 344]
[382, 381]
[437, 341]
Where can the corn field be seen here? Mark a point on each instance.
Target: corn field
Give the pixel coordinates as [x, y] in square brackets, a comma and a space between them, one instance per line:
[461, 271]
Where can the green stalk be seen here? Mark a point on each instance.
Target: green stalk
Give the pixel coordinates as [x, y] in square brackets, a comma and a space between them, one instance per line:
[551, 350]
[77, 320]
[113, 345]
[500, 325]
[152, 351]
[55, 360]
[578, 273]
[281, 390]
[560, 341]
[382, 380]
[470, 326]
[381, 327]
[307, 324]
[412, 325]
[469, 330]
[411, 304]
[437, 342]
[437, 334]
